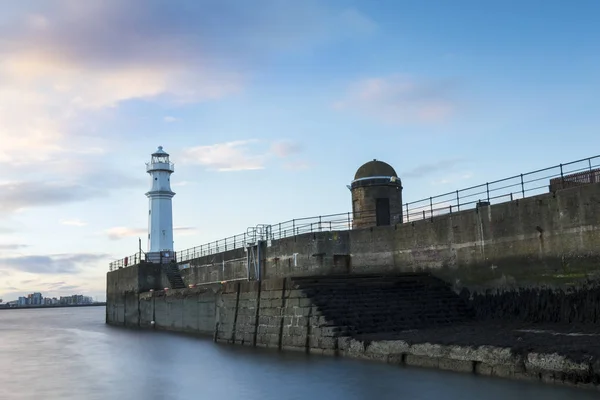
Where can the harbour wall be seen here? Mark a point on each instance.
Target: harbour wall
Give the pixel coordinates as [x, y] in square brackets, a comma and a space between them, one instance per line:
[546, 241]
[528, 261]
[283, 314]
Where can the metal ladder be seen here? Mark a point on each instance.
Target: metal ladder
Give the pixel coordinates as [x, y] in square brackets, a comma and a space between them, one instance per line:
[255, 237]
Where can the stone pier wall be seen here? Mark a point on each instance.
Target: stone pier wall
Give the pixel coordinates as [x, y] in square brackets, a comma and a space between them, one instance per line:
[551, 240]
[275, 314]
[287, 314]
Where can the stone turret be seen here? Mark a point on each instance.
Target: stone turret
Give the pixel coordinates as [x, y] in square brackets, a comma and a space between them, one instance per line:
[376, 195]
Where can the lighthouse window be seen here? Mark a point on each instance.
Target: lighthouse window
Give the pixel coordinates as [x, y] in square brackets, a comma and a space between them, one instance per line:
[155, 179]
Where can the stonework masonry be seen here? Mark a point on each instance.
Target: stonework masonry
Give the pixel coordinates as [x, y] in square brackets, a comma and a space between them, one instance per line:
[550, 240]
[529, 265]
[282, 314]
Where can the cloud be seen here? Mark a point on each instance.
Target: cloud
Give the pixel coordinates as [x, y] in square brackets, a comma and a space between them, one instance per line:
[297, 165]
[399, 99]
[429, 168]
[453, 178]
[285, 148]
[121, 232]
[16, 196]
[184, 230]
[73, 222]
[12, 246]
[228, 156]
[50, 264]
[169, 119]
[239, 155]
[63, 63]
[68, 287]
[82, 182]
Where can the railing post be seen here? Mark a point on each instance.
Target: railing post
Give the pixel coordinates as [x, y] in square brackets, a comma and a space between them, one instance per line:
[511, 196]
[349, 223]
[522, 186]
[280, 230]
[562, 177]
[450, 208]
[487, 189]
[457, 201]
[330, 226]
[423, 214]
[320, 229]
[407, 214]
[431, 207]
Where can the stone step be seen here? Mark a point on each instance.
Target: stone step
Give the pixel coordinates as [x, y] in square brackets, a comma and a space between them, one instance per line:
[366, 304]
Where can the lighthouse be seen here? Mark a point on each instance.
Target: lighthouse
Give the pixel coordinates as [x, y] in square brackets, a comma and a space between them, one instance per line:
[160, 213]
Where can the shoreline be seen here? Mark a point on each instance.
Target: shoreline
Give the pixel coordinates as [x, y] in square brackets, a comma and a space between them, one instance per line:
[483, 359]
[101, 304]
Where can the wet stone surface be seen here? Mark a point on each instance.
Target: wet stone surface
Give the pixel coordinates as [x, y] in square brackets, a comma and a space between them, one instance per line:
[576, 342]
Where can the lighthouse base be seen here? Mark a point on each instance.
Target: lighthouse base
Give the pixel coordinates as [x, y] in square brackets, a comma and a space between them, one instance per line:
[161, 257]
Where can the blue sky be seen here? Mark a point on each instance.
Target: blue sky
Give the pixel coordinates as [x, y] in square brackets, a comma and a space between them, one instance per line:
[267, 109]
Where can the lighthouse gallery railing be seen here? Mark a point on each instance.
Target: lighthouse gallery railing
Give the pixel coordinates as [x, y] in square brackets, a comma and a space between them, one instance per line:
[580, 172]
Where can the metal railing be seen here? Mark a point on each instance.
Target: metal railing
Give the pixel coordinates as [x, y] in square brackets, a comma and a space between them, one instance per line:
[293, 227]
[126, 261]
[515, 187]
[507, 189]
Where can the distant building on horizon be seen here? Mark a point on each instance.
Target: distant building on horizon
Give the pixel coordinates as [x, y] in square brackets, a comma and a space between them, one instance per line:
[37, 299]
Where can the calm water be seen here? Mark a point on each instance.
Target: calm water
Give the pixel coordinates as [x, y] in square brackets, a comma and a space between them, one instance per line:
[71, 354]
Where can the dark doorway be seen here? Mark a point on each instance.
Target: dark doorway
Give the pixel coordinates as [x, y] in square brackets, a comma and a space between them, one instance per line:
[382, 211]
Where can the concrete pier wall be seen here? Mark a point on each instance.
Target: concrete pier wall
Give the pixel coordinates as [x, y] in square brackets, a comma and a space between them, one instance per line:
[273, 314]
[529, 261]
[547, 240]
[282, 314]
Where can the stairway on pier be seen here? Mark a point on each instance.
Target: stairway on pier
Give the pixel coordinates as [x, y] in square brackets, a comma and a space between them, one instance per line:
[174, 276]
[358, 305]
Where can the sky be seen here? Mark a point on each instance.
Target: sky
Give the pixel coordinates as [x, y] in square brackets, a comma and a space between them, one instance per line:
[267, 109]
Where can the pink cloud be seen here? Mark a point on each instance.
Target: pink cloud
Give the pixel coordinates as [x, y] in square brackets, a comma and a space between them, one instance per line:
[399, 99]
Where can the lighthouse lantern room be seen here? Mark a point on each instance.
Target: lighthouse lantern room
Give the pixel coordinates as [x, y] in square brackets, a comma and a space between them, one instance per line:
[160, 213]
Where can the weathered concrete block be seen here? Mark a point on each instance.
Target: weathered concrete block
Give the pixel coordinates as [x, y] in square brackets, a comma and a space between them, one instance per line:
[455, 365]
[388, 347]
[324, 342]
[301, 311]
[294, 348]
[483, 368]
[503, 371]
[421, 361]
[397, 359]
[536, 362]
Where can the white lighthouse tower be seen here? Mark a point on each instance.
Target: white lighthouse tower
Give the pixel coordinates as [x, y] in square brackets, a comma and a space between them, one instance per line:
[160, 214]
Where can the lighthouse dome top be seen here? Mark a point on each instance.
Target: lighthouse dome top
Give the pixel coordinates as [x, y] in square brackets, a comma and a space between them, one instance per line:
[160, 152]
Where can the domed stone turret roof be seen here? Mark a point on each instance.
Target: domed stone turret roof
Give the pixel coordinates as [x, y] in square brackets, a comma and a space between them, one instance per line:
[374, 168]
